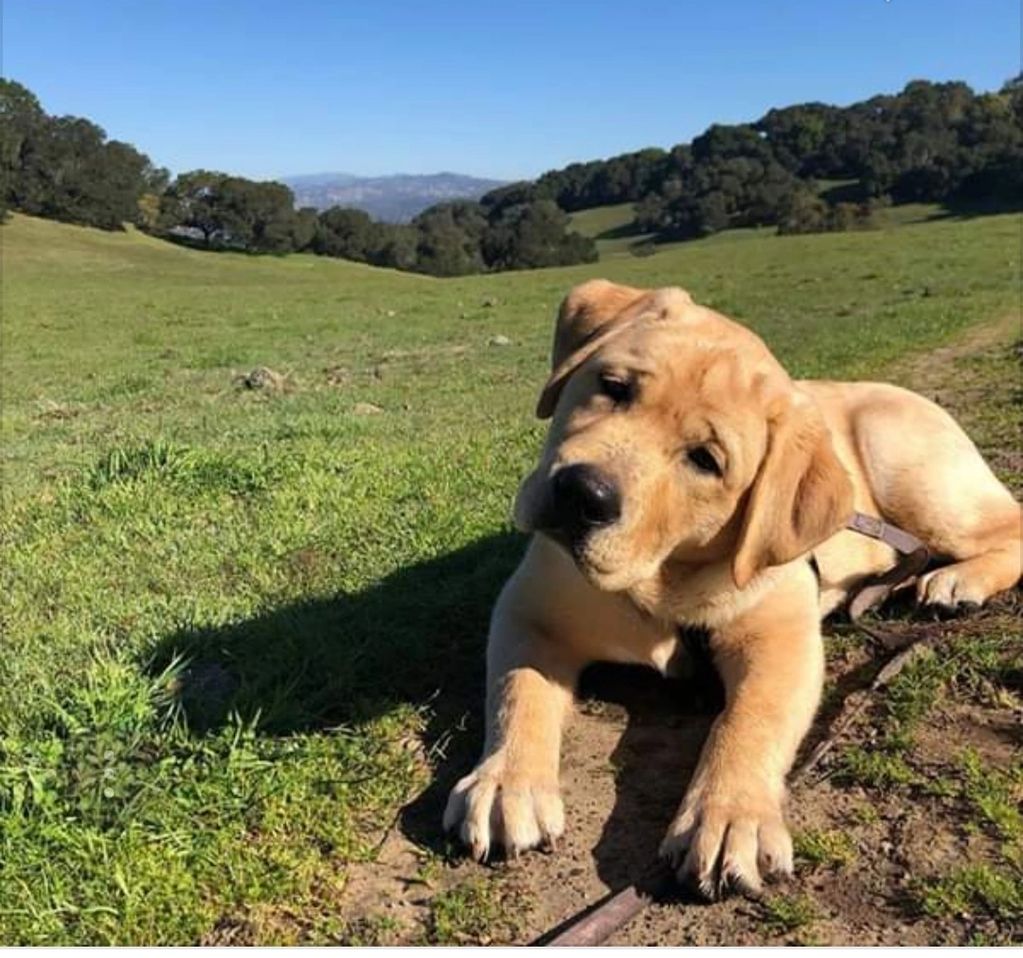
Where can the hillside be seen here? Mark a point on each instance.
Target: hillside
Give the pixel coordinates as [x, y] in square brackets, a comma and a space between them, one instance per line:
[122, 299]
[391, 199]
[614, 228]
[244, 615]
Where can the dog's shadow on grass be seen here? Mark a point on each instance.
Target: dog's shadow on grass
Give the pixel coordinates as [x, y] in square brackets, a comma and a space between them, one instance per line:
[418, 638]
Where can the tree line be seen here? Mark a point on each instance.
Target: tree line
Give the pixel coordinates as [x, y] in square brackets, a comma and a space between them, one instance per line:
[65, 168]
[931, 142]
[448, 239]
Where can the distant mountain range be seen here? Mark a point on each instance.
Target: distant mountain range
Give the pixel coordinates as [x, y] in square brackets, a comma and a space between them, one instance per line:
[393, 199]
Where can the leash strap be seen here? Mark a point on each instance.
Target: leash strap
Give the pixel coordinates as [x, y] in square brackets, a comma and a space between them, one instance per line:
[913, 558]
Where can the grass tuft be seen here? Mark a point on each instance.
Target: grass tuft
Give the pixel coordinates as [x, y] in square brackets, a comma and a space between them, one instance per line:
[975, 889]
[833, 849]
[787, 913]
[473, 912]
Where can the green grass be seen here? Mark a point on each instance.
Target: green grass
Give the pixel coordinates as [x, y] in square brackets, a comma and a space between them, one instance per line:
[237, 622]
[474, 912]
[963, 668]
[997, 795]
[612, 228]
[987, 798]
[830, 848]
[992, 414]
[973, 889]
[783, 914]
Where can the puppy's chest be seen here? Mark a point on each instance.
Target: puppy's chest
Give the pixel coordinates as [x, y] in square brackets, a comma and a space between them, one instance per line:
[690, 605]
[698, 597]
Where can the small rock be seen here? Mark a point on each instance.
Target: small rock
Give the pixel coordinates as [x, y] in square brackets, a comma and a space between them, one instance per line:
[48, 409]
[499, 341]
[390, 312]
[338, 375]
[366, 409]
[262, 377]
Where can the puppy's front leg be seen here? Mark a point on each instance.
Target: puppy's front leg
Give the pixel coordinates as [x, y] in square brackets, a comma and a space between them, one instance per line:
[512, 798]
[730, 828]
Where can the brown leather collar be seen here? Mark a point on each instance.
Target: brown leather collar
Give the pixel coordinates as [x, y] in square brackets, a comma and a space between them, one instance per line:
[913, 557]
[901, 541]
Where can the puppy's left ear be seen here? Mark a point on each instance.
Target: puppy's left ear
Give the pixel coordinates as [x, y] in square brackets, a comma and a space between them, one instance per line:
[801, 495]
[587, 314]
[591, 314]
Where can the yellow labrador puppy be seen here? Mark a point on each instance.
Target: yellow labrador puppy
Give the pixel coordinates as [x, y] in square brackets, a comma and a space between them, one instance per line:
[686, 480]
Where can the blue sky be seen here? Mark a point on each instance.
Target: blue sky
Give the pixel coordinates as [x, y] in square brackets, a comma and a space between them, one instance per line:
[505, 89]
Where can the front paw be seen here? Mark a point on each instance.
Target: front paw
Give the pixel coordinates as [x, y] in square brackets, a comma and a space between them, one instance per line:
[498, 804]
[723, 839]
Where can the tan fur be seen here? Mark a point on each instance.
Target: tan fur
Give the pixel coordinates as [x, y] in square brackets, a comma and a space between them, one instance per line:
[726, 552]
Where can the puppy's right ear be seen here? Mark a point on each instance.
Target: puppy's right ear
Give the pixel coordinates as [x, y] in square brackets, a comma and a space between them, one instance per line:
[802, 493]
[589, 315]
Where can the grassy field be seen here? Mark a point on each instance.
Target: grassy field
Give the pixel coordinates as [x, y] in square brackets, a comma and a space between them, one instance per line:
[612, 227]
[242, 627]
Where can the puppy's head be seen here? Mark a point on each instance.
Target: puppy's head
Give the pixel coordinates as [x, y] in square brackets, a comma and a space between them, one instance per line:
[676, 436]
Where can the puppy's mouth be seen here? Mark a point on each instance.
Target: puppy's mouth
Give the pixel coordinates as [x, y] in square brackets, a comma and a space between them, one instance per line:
[599, 575]
[579, 546]
[575, 546]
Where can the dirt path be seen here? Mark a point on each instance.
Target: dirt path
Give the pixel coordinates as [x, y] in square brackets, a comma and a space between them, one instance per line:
[905, 840]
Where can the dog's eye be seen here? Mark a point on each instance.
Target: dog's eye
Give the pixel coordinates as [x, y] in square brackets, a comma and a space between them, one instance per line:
[703, 459]
[617, 389]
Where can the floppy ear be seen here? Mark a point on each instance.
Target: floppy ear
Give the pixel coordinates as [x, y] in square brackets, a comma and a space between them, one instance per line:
[590, 315]
[801, 495]
[586, 312]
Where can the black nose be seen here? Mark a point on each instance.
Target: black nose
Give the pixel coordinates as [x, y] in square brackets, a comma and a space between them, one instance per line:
[584, 498]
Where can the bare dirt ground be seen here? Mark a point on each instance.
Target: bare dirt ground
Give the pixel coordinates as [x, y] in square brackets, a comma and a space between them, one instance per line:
[909, 832]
